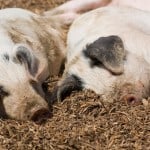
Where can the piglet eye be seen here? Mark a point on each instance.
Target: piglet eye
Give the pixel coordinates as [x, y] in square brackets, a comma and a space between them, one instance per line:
[35, 85]
[3, 93]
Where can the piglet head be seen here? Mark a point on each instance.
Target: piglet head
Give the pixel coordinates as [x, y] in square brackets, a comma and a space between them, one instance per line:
[106, 68]
[21, 93]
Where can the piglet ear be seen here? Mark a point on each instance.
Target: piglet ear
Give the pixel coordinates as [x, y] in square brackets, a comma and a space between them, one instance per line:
[24, 56]
[109, 51]
[66, 86]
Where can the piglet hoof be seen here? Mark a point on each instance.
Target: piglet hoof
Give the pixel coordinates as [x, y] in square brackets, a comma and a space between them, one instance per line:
[40, 115]
[131, 99]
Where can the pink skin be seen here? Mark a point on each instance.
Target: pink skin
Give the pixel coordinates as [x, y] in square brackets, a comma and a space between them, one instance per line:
[140, 4]
[72, 9]
[132, 93]
[78, 6]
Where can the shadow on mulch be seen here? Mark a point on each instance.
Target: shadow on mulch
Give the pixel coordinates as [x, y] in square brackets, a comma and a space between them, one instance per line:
[81, 121]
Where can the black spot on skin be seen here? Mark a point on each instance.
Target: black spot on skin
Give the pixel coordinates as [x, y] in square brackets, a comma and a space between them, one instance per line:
[24, 56]
[107, 52]
[6, 57]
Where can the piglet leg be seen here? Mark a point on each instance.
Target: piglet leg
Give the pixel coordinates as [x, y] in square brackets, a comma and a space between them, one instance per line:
[71, 9]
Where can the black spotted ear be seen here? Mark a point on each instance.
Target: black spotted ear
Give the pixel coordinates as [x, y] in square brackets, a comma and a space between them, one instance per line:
[24, 56]
[109, 51]
[67, 85]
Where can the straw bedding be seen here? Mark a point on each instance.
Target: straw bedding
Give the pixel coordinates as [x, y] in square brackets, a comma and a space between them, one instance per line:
[82, 121]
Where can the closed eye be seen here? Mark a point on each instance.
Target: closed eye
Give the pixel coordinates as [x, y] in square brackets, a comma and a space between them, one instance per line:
[37, 87]
[96, 63]
[3, 92]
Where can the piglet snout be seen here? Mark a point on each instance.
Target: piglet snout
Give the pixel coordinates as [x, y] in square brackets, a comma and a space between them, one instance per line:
[132, 99]
[39, 115]
[132, 93]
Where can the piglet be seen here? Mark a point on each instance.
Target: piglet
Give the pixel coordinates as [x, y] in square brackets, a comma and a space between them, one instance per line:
[32, 48]
[108, 52]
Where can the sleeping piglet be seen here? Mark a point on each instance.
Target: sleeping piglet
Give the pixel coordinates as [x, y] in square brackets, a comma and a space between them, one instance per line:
[108, 52]
[32, 48]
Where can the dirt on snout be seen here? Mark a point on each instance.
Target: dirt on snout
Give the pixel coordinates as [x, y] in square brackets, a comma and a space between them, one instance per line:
[82, 121]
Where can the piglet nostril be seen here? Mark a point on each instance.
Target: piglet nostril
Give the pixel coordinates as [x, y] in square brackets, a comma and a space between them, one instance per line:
[40, 115]
[132, 99]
